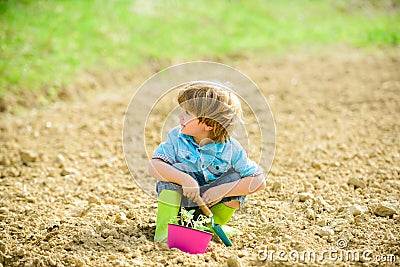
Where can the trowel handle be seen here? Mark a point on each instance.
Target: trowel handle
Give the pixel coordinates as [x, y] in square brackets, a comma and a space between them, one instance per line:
[206, 210]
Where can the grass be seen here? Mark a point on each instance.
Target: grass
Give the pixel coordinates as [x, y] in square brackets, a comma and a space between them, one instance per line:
[44, 44]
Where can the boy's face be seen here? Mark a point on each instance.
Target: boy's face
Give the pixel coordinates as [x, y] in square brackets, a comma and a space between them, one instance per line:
[190, 125]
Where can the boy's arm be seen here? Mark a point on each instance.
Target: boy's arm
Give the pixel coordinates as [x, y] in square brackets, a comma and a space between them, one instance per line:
[163, 171]
[244, 186]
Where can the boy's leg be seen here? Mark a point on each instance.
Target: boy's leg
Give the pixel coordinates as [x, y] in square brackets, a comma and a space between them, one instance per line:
[234, 204]
[223, 211]
[169, 201]
[168, 207]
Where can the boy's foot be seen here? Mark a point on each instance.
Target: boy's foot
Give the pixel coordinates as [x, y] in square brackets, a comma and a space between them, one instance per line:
[230, 231]
[161, 246]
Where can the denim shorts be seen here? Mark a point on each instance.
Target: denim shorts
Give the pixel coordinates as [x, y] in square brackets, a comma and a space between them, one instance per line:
[228, 177]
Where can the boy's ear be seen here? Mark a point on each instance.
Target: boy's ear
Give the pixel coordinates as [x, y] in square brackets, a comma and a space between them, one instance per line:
[209, 128]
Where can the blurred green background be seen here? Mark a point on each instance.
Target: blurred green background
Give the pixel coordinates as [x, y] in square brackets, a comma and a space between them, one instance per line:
[44, 45]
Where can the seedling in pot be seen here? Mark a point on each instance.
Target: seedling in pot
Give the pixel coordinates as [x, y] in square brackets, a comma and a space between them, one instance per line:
[186, 219]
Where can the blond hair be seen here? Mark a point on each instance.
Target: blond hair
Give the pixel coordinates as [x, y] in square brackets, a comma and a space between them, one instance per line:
[214, 105]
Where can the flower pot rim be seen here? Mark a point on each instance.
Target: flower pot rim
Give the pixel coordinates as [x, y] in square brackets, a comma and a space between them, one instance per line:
[202, 231]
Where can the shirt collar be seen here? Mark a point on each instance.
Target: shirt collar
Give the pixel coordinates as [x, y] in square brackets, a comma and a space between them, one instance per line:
[215, 147]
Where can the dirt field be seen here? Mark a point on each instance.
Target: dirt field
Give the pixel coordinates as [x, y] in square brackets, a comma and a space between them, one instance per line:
[67, 198]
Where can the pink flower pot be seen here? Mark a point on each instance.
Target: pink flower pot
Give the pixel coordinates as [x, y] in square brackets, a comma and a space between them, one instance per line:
[188, 239]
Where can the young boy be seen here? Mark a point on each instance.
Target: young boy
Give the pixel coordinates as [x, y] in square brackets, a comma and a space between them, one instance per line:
[201, 160]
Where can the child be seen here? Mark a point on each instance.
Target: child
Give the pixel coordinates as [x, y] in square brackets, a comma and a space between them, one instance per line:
[201, 160]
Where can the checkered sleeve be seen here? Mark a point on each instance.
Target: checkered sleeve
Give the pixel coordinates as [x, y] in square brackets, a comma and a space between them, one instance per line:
[163, 157]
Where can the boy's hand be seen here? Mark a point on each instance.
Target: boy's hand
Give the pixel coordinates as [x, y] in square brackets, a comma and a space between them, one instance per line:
[215, 194]
[191, 189]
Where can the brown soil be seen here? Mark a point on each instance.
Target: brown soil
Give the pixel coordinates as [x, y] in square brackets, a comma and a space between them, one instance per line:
[67, 197]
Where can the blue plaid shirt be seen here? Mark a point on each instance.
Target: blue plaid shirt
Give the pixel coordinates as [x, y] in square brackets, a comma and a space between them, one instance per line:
[209, 161]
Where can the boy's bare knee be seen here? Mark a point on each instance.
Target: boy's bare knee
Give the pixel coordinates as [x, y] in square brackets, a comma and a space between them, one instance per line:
[234, 204]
